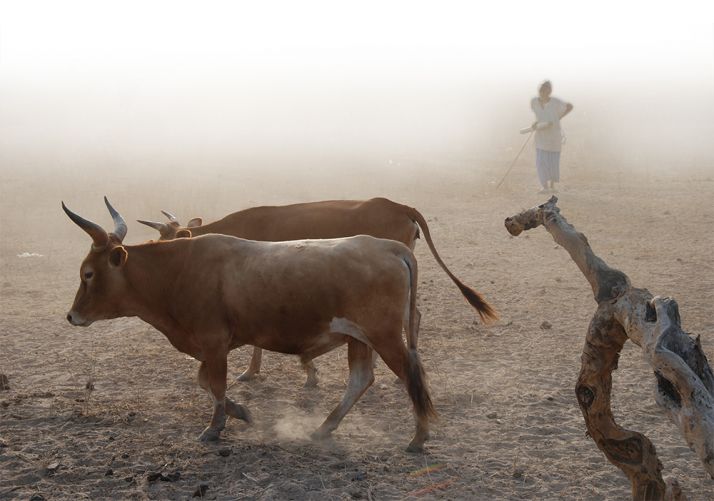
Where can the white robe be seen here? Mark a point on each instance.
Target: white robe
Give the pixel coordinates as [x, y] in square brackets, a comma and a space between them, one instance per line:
[549, 138]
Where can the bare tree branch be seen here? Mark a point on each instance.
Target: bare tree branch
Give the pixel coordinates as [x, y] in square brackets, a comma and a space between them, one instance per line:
[684, 379]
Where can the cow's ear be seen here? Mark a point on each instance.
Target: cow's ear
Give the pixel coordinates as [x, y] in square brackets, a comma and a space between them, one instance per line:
[118, 256]
[196, 221]
[183, 233]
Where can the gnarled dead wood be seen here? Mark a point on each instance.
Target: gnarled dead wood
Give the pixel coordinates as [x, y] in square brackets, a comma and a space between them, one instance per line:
[684, 379]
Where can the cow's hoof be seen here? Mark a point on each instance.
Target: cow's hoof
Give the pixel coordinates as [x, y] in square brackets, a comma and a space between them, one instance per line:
[238, 411]
[247, 376]
[320, 435]
[311, 383]
[209, 435]
[415, 448]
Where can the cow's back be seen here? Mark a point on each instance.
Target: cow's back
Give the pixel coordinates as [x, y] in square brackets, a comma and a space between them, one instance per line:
[378, 217]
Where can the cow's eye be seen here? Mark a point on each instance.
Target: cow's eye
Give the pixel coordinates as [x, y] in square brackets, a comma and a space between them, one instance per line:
[88, 275]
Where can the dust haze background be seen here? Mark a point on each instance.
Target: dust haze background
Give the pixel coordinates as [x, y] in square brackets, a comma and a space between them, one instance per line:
[178, 88]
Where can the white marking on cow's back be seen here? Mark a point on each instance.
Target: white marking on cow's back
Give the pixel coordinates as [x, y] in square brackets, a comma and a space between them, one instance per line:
[348, 328]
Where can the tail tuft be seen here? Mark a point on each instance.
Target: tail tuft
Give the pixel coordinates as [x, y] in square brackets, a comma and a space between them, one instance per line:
[485, 310]
[487, 313]
[417, 387]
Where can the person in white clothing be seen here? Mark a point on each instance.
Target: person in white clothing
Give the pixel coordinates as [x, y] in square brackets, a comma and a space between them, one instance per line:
[549, 111]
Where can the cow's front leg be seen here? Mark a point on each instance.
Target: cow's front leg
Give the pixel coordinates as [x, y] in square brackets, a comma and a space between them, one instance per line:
[212, 378]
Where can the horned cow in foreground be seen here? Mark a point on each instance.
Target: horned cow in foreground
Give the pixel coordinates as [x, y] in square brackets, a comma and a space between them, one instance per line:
[378, 217]
[211, 294]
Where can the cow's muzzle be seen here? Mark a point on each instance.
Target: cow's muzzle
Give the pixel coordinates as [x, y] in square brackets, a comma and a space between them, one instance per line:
[76, 319]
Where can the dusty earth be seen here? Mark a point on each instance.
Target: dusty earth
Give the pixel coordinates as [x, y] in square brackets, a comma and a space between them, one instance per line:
[113, 411]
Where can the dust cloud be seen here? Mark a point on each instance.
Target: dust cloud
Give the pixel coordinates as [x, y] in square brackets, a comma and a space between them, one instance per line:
[294, 424]
[642, 124]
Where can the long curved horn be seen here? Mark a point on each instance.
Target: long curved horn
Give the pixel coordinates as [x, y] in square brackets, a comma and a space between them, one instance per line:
[157, 226]
[99, 236]
[120, 228]
[171, 217]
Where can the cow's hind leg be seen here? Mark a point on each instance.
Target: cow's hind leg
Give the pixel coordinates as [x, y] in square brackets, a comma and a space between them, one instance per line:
[417, 321]
[411, 243]
[254, 367]
[407, 366]
[212, 378]
[306, 359]
[361, 377]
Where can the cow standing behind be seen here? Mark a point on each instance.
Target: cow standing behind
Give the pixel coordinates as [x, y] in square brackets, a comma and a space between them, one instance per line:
[378, 217]
[211, 294]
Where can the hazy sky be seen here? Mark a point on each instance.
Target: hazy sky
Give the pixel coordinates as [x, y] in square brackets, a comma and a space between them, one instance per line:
[328, 73]
[69, 40]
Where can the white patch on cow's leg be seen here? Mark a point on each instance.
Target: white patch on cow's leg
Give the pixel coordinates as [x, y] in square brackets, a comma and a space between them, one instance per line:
[360, 360]
[254, 367]
[311, 372]
[212, 374]
[325, 343]
[348, 328]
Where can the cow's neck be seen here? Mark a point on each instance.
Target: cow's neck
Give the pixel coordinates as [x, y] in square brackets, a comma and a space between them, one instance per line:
[219, 227]
[152, 271]
[242, 224]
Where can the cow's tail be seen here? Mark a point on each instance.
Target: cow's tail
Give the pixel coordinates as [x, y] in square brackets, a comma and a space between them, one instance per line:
[485, 310]
[415, 376]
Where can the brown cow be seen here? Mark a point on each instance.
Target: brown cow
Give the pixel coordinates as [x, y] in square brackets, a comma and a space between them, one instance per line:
[214, 293]
[378, 217]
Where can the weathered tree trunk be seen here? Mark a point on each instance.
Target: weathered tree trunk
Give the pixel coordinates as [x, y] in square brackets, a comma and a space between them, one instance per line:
[685, 383]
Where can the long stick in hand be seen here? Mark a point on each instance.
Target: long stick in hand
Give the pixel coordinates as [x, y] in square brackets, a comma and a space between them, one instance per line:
[515, 160]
